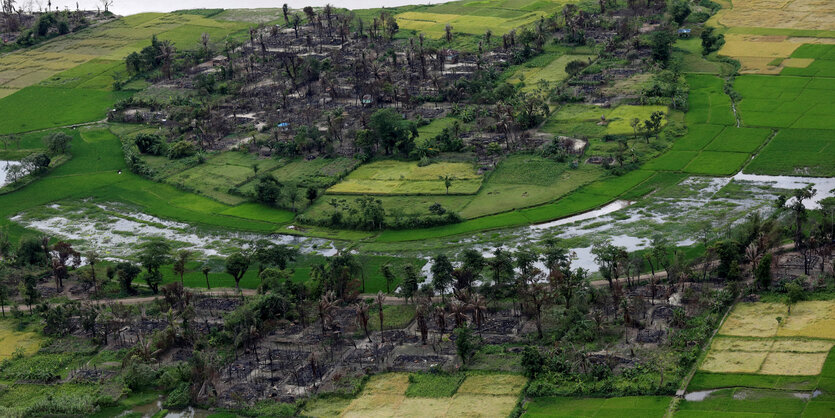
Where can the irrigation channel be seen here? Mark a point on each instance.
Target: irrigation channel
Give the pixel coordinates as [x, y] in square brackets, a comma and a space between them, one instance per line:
[696, 208]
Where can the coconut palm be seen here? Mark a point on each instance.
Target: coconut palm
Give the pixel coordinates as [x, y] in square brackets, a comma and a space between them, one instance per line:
[478, 304]
[166, 55]
[420, 315]
[327, 304]
[440, 318]
[361, 310]
[380, 299]
[459, 310]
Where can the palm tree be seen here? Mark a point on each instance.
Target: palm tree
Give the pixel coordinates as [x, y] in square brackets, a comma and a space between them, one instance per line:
[440, 318]
[380, 299]
[180, 263]
[420, 314]
[92, 260]
[166, 54]
[458, 310]
[206, 271]
[478, 304]
[362, 317]
[326, 307]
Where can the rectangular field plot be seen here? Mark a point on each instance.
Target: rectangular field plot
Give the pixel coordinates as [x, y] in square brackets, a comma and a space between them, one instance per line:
[707, 101]
[753, 320]
[717, 163]
[671, 161]
[389, 395]
[38, 107]
[797, 152]
[744, 402]
[632, 406]
[813, 319]
[792, 357]
[219, 174]
[407, 178]
[697, 137]
[318, 173]
[553, 72]
[734, 139]
[582, 120]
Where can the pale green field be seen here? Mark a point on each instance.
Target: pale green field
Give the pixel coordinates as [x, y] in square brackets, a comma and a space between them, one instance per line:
[554, 72]
[391, 177]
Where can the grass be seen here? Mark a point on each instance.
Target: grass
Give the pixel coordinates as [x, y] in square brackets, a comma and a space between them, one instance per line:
[796, 152]
[643, 406]
[394, 317]
[707, 101]
[13, 339]
[318, 173]
[697, 137]
[39, 107]
[373, 278]
[428, 385]
[739, 140]
[582, 120]
[433, 129]
[553, 72]
[717, 163]
[92, 172]
[671, 161]
[219, 175]
[705, 381]
[586, 198]
[391, 177]
[522, 181]
[742, 401]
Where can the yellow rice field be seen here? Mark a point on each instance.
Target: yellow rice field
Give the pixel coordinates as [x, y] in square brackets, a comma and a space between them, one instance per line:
[385, 396]
[785, 14]
[12, 340]
[767, 356]
[762, 338]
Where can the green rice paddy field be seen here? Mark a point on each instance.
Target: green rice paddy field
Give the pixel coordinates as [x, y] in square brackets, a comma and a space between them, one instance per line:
[798, 105]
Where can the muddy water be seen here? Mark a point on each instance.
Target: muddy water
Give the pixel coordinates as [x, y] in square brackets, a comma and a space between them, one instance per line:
[128, 7]
[115, 231]
[4, 167]
[605, 210]
[825, 186]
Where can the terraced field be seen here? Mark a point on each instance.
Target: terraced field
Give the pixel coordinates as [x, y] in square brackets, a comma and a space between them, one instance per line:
[472, 17]
[69, 79]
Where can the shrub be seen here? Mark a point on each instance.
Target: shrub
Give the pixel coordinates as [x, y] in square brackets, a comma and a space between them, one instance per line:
[179, 397]
[149, 144]
[181, 149]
